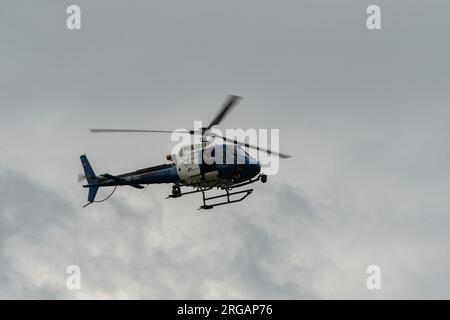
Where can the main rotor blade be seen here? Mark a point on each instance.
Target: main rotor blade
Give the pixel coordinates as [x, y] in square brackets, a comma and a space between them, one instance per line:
[226, 108]
[268, 151]
[137, 131]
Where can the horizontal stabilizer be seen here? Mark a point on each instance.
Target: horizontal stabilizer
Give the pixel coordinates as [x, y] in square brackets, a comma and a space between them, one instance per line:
[120, 180]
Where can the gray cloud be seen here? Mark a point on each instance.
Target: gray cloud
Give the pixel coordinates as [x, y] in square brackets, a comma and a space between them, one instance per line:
[269, 251]
[364, 114]
[131, 253]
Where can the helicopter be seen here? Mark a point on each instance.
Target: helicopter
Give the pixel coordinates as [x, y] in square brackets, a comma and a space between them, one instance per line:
[203, 166]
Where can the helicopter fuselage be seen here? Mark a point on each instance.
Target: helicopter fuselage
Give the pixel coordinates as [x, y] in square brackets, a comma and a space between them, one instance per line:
[196, 167]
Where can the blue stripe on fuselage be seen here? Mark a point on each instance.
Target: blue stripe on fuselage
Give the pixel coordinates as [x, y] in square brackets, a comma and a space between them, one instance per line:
[168, 175]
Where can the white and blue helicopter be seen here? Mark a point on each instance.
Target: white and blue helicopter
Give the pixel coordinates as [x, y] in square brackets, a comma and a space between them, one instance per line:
[204, 166]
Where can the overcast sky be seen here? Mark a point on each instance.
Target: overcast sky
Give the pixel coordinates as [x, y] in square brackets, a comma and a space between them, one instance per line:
[364, 113]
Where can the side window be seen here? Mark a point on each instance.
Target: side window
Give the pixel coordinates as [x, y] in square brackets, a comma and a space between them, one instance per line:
[229, 154]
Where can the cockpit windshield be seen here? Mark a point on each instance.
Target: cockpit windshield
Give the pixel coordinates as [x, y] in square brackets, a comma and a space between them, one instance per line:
[235, 154]
[225, 154]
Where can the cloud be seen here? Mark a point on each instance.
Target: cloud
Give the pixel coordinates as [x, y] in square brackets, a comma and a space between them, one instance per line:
[125, 252]
[286, 246]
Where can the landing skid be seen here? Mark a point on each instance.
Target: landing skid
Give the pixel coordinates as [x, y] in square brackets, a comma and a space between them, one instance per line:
[176, 193]
[228, 194]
